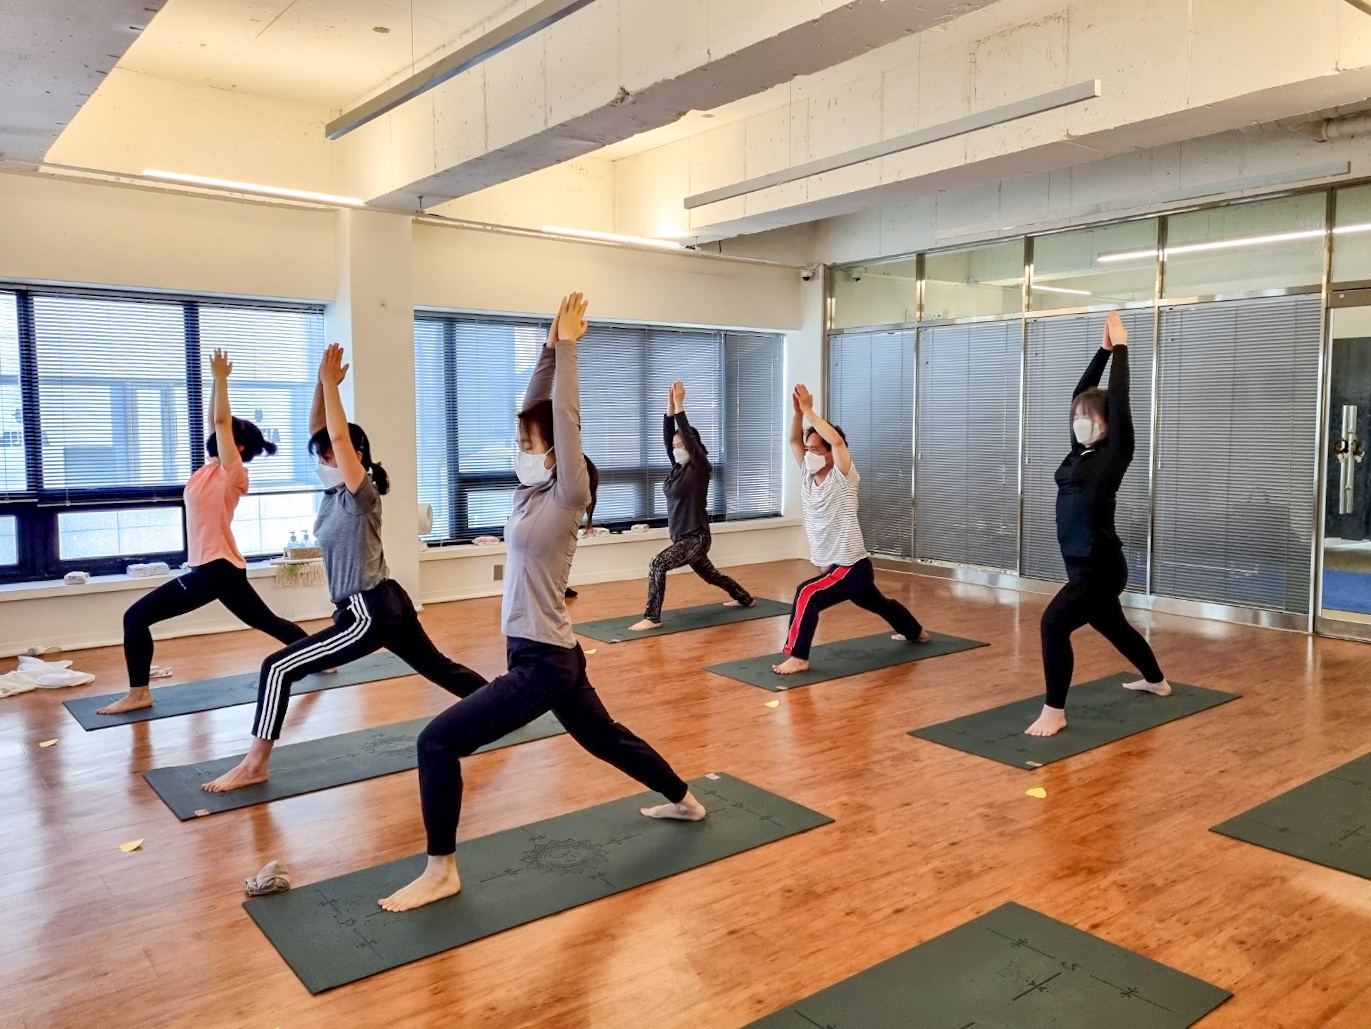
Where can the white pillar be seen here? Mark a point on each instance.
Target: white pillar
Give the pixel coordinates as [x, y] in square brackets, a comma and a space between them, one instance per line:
[373, 317]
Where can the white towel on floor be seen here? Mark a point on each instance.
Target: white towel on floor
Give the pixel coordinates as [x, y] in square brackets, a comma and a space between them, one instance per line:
[35, 672]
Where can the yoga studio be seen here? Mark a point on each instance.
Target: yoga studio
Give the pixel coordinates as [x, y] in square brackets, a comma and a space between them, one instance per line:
[672, 514]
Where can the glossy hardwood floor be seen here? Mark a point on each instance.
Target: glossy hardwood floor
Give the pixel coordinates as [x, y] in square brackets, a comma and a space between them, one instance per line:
[925, 838]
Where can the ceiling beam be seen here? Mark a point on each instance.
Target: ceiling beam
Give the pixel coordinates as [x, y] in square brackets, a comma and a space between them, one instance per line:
[534, 20]
[1362, 5]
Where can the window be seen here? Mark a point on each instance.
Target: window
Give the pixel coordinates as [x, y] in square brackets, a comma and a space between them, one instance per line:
[472, 373]
[103, 404]
[979, 282]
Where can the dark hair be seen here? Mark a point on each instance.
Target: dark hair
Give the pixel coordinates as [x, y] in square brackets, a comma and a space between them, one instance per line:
[811, 431]
[539, 417]
[320, 443]
[695, 435]
[1092, 402]
[245, 435]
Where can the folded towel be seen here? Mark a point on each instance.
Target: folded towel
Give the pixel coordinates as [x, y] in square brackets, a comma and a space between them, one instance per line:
[273, 878]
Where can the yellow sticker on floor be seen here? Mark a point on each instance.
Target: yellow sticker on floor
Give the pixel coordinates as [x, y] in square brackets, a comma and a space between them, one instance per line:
[773, 703]
[131, 846]
[48, 743]
[1039, 792]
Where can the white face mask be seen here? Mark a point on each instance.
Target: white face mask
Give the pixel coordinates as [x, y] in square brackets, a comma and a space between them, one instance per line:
[331, 477]
[814, 463]
[1085, 432]
[532, 468]
[681, 456]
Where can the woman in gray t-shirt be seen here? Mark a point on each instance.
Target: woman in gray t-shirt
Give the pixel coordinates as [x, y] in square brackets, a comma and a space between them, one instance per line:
[547, 668]
[372, 609]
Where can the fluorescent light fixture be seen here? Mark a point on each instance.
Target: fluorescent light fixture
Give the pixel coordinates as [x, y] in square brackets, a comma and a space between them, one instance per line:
[613, 237]
[1230, 244]
[1060, 289]
[254, 187]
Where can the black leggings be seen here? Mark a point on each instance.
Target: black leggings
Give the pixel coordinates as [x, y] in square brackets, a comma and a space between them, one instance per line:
[1091, 597]
[691, 549]
[363, 624]
[541, 678]
[218, 580]
[856, 583]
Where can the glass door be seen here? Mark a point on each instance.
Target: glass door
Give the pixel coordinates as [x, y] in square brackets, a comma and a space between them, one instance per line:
[1345, 566]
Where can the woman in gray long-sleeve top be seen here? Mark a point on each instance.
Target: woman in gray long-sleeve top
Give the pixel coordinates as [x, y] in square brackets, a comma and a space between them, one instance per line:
[687, 498]
[547, 668]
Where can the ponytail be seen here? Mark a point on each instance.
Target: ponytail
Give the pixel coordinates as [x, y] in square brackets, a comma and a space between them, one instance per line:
[594, 492]
[321, 441]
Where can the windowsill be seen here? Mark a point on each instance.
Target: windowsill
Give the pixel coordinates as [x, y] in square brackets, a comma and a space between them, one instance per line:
[107, 584]
[466, 550]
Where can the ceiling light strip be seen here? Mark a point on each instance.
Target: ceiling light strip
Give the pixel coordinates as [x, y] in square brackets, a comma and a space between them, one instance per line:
[538, 17]
[613, 237]
[253, 187]
[1230, 244]
[1064, 97]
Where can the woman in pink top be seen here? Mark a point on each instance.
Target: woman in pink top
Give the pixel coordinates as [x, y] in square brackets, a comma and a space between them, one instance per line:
[217, 569]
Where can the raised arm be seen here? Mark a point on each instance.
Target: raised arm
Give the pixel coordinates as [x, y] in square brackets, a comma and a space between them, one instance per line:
[332, 371]
[842, 457]
[540, 382]
[1120, 439]
[669, 424]
[220, 412]
[317, 418]
[688, 434]
[797, 428]
[572, 488]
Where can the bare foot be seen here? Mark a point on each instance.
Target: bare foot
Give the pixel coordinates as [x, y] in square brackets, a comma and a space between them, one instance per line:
[330, 671]
[439, 880]
[240, 775]
[137, 699]
[644, 625]
[790, 666]
[1049, 723]
[1160, 689]
[738, 603]
[688, 810]
[924, 637]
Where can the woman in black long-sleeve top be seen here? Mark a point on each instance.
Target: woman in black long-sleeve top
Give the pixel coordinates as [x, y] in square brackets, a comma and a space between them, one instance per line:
[1102, 445]
[687, 491]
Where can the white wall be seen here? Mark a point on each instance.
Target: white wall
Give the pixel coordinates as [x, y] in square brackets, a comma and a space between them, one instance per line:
[367, 271]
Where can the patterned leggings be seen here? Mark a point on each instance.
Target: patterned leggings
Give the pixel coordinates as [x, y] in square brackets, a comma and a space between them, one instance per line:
[693, 550]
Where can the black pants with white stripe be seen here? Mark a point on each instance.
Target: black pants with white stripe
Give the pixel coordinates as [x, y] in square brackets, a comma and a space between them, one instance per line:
[363, 624]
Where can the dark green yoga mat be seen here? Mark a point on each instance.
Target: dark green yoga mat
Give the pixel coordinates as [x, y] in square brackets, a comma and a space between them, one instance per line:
[1097, 713]
[315, 765]
[1012, 968]
[333, 932]
[229, 691]
[681, 619]
[841, 659]
[1326, 820]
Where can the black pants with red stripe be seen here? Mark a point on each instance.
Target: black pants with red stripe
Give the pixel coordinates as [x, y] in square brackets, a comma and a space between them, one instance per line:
[856, 583]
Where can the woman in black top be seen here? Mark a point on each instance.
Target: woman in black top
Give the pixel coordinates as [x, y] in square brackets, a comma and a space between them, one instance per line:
[687, 491]
[1097, 572]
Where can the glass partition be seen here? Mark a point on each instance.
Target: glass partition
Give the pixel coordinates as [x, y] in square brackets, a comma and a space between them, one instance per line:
[1273, 244]
[975, 282]
[880, 293]
[1074, 269]
[1352, 235]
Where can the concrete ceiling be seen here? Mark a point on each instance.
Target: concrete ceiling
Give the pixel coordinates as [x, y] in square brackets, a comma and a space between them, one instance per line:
[53, 56]
[327, 53]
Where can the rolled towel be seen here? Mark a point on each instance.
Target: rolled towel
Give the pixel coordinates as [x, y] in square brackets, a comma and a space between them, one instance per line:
[273, 878]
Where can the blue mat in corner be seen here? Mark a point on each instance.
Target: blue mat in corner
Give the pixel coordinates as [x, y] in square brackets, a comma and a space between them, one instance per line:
[1347, 591]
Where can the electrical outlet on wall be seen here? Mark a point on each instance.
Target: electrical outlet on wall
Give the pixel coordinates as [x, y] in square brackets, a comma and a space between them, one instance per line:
[499, 573]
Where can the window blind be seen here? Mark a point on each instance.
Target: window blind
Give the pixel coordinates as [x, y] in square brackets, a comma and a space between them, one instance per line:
[1059, 349]
[13, 466]
[103, 416]
[871, 386]
[472, 373]
[966, 492]
[1238, 416]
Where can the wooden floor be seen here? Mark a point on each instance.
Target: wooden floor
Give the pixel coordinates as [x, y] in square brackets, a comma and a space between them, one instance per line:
[925, 837]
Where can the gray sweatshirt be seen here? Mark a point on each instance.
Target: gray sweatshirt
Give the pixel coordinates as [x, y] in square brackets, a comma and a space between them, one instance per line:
[541, 532]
